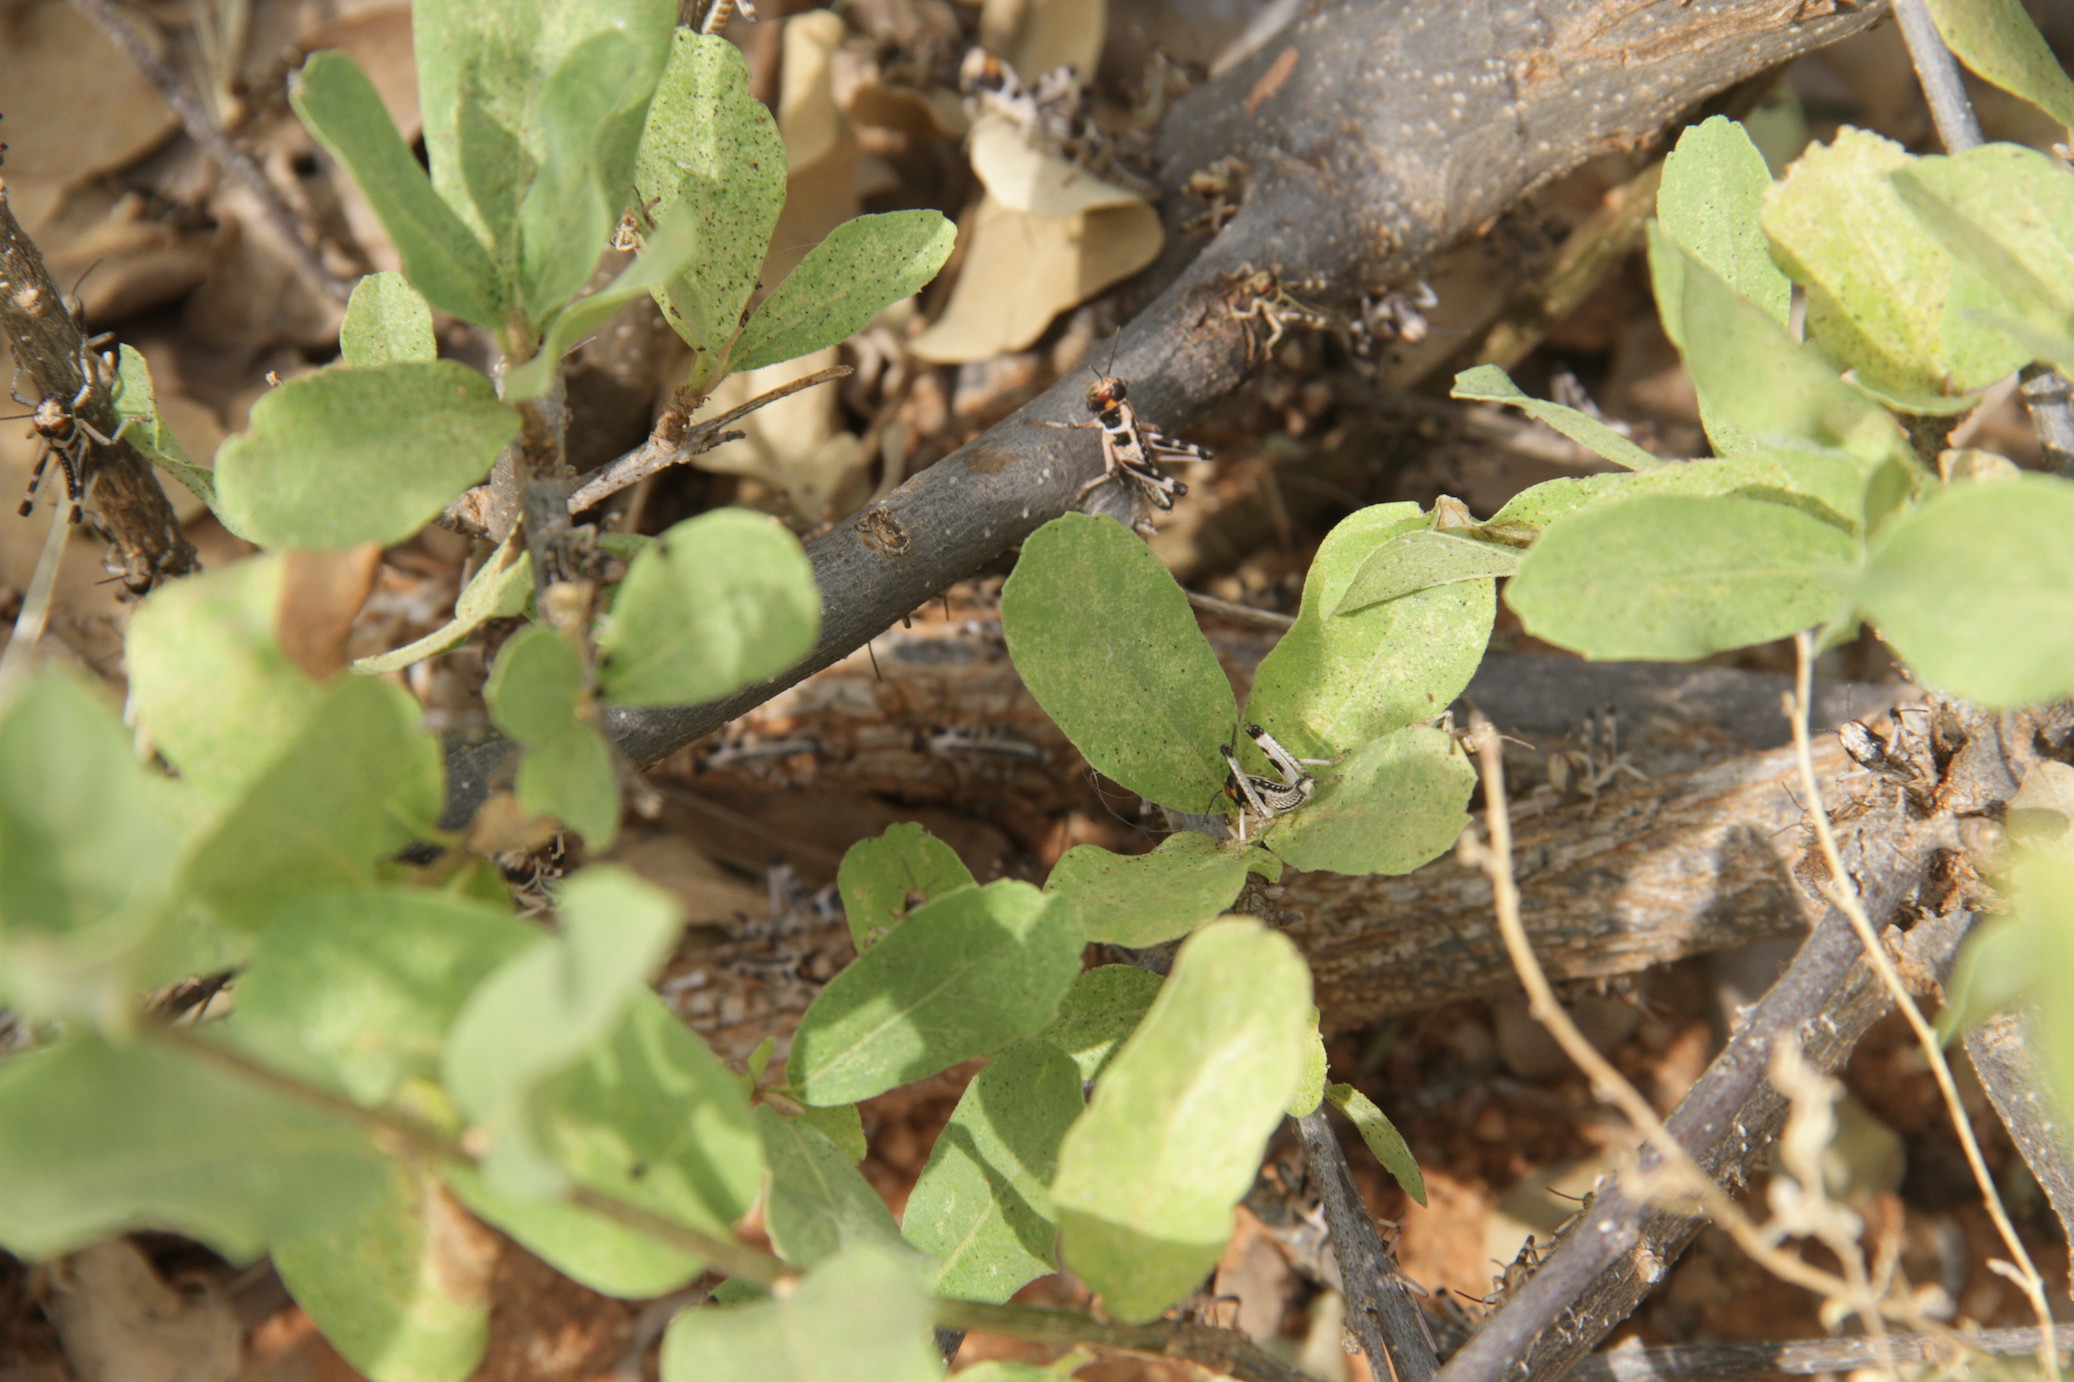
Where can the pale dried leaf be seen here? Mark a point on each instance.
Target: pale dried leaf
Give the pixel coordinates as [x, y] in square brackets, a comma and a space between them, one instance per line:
[1029, 179]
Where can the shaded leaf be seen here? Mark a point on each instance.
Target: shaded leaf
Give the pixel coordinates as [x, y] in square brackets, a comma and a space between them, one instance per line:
[1103, 1007]
[963, 976]
[818, 1203]
[1712, 192]
[136, 408]
[1106, 642]
[1419, 561]
[982, 1206]
[1997, 39]
[1144, 899]
[1488, 383]
[499, 589]
[1382, 1138]
[1976, 588]
[97, 1140]
[440, 254]
[882, 878]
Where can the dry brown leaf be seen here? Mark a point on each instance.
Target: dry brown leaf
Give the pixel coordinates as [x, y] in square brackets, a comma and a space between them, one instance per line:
[56, 69]
[1022, 270]
[1038, 35]
[1024, 178]
[807, 113]
[121, 1323]
[321, 592]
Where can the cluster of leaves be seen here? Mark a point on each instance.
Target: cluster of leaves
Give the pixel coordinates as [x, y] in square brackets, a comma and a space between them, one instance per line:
[403, 1045]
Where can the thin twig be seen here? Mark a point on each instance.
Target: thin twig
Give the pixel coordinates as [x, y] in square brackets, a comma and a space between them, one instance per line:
[1241, 614]
[1495, 858]
[203, 129]
[655, 455]
[1845, 898]
[2045, 389]
[1385, 1322]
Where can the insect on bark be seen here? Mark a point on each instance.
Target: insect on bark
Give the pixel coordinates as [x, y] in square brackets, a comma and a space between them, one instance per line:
[1132, 448]
[62, 433]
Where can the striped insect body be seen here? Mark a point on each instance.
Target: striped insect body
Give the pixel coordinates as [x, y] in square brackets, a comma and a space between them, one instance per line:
[1261, 800]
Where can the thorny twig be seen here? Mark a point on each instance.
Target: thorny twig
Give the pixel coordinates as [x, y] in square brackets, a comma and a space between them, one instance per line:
[202, 128]
[1844, 896]
[2045, 389]
[672, 443]
[1800, 1357]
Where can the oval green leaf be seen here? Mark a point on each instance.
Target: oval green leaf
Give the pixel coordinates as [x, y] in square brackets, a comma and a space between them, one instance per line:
[718, 602]
[387, 322]
[1976, 590]
[1382, 1138]
[1174, 1134]
[1395, 803]
[1713, 189]
[1672, 579]
[1420, 561]
[1104, 638]
[884, 878]
[1337, 681]
[1144, 899]
[1489, 384]
[347, 456]
[862, 268]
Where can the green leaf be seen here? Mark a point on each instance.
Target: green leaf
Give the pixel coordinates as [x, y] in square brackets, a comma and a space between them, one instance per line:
[2009, 213]
[1382, 1138]
[1419, 561]
[497, 86]
[1759, 387]
[1395, 803]
[1174, 1134]
[1534, 508]
[387, 322]
[1104, 638]
[1713, 189]
[668, 249]
[356, 990]
[982, 1206]
[863, 267]
[1672, 579]
[1103, 1007]
[711, 155]
[440, 254]
[281, 840]
[136, 409]
[1489, 384]
[96, 1140]
[499, 589]
[90, 848]
[650, 1118]
[208, 678]
[882, 879]
[1976, 587]
[1310, 1088]
[401, 1290]
[1335, 681]
[721, 601]
[571, 777]
[585, 123]
[347, 456]
[841, 1124]
[818, 1202]
[1884, 297]
[859, 1317]
[1144, 899]
[963, 976]
[536, 686]
[2000, 43]
[544, 1008]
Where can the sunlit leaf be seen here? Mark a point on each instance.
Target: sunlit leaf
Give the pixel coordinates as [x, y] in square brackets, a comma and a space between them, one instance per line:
[1143, 899]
